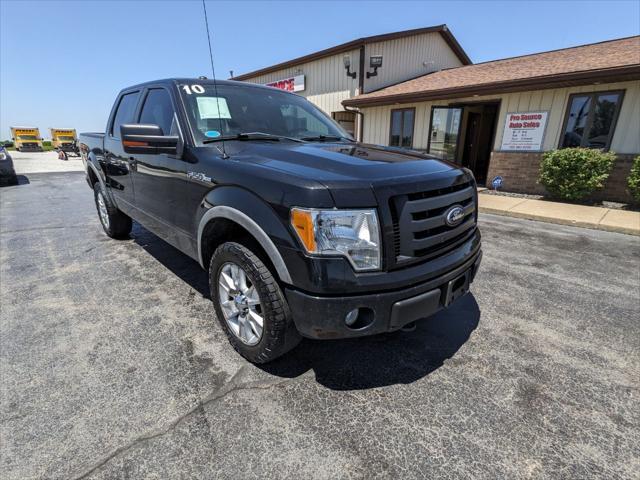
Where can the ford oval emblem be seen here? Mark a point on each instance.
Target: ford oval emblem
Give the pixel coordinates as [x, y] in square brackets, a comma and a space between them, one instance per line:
[454, 215]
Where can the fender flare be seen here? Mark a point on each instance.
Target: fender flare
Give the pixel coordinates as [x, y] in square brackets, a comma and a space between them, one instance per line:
[92, 163]
[253, 228]
[95, 171]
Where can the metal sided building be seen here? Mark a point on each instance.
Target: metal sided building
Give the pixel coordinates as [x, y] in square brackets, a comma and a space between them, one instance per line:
[330, 76]
[419, 90]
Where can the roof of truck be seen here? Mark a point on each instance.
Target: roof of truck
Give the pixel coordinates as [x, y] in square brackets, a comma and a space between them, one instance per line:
[198, 80]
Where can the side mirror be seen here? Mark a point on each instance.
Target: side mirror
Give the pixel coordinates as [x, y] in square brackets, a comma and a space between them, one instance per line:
[148, 139]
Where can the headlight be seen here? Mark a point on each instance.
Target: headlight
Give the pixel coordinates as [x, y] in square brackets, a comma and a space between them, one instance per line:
[351, 233]
[3, 156]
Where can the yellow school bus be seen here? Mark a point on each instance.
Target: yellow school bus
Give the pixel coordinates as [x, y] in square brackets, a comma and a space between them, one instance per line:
[26, 139]
[64, 139]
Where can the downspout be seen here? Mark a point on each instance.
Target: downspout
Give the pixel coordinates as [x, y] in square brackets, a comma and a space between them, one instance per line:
[360, 115]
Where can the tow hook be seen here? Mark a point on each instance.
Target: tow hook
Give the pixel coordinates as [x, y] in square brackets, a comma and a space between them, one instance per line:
[409, 327]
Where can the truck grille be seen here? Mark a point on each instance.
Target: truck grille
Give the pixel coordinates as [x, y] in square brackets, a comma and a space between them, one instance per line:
[420, 228]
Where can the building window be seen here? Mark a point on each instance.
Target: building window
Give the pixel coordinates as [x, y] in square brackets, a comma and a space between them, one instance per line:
[401, 132]
[591, 119]
[347, 120]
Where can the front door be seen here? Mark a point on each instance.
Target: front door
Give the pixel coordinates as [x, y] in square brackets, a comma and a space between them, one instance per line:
[470, 151]
[479, 132]
[117, 163]
[160, 179]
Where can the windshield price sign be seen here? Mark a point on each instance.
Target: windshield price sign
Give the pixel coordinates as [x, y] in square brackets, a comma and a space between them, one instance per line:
[524, 131]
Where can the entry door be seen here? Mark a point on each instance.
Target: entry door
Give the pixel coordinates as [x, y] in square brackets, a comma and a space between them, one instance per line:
[470, 151]
[160, 179]
[444, 132]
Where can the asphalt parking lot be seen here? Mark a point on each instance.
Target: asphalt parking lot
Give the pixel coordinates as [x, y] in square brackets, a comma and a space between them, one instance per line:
[113, 365]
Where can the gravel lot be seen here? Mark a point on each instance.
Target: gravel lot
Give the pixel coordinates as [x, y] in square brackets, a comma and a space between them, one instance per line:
[112, 364]
[35, 162]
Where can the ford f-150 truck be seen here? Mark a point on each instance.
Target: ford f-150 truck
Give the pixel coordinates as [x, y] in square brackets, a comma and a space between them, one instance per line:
[304, 232]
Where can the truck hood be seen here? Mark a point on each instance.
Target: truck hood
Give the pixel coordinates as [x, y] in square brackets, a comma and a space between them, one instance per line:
[335, 163]
[355, 173]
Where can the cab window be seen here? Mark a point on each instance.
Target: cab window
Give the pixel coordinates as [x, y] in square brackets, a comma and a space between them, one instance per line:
[125, 112]
[158, 110]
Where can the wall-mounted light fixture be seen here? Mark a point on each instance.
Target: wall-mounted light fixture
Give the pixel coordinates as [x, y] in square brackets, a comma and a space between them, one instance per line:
[347, 65]
[375, 61]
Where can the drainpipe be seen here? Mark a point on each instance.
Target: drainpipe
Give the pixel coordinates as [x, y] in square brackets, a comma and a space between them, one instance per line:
[360, 115]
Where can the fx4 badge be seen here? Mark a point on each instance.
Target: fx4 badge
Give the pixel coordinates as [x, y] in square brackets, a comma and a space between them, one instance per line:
[198, 176]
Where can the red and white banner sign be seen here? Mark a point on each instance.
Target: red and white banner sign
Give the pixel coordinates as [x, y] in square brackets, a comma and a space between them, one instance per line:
[524, 131]
[293, 84]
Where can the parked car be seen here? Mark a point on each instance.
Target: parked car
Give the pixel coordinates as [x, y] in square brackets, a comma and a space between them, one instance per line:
[7, 171]
[304, 232]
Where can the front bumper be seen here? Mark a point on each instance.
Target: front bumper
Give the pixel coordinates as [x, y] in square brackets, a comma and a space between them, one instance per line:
[324, 317]
[30, 147]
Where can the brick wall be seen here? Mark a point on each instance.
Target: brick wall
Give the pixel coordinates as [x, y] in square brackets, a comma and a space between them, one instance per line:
[520, 173]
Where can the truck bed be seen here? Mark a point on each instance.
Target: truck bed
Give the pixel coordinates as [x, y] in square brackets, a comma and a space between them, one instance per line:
[91, 141]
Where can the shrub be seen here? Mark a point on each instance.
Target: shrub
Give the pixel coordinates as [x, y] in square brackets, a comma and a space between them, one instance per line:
[574, 173]
[634, 179]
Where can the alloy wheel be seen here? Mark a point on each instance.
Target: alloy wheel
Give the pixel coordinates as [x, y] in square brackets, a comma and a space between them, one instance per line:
[102, 210]
[240, 304]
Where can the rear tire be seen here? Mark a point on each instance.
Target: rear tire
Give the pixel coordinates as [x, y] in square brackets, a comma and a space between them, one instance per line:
[114, 223]
[259, 324]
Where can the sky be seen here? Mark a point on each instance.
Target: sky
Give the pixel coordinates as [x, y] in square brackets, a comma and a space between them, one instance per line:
[62, 62]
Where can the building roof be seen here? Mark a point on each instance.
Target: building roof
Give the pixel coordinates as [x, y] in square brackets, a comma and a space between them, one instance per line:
[353, 44]
[612, 60]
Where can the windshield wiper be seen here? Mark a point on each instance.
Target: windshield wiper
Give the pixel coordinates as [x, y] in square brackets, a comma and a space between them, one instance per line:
[324, 138]
[252, 136]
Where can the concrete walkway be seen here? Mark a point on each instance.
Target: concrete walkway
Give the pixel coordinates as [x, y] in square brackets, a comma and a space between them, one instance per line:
[597, 218]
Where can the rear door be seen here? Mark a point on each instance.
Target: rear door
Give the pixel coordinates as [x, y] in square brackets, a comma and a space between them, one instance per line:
[117, 163]
[160, 179]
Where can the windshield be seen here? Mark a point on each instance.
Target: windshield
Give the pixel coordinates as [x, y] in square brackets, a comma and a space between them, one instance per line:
[27, 137]
[238, 109]
[65, 139]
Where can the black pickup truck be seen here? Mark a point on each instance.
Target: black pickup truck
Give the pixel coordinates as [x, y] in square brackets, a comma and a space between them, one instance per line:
[304, 232]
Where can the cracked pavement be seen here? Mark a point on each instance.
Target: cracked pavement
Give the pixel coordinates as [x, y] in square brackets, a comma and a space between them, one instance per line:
[112, 364]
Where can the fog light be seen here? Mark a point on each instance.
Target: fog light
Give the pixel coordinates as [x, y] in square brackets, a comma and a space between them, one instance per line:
[351, 317]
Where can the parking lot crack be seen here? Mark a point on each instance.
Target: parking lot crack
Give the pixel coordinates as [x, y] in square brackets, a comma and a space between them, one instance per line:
[234, 385]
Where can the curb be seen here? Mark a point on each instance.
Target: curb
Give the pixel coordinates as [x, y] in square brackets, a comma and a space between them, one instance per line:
[560, 221]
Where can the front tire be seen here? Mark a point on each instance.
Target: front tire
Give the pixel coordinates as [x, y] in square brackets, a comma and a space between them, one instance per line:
[250, 305]
[114, 223]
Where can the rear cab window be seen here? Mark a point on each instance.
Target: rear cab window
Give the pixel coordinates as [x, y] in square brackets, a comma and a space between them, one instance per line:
[125, 112]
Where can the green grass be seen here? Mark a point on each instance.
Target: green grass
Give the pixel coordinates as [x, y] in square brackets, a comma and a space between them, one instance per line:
[46, 148]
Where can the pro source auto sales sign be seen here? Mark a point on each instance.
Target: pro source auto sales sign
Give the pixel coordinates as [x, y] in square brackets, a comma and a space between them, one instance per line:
[524, 131]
